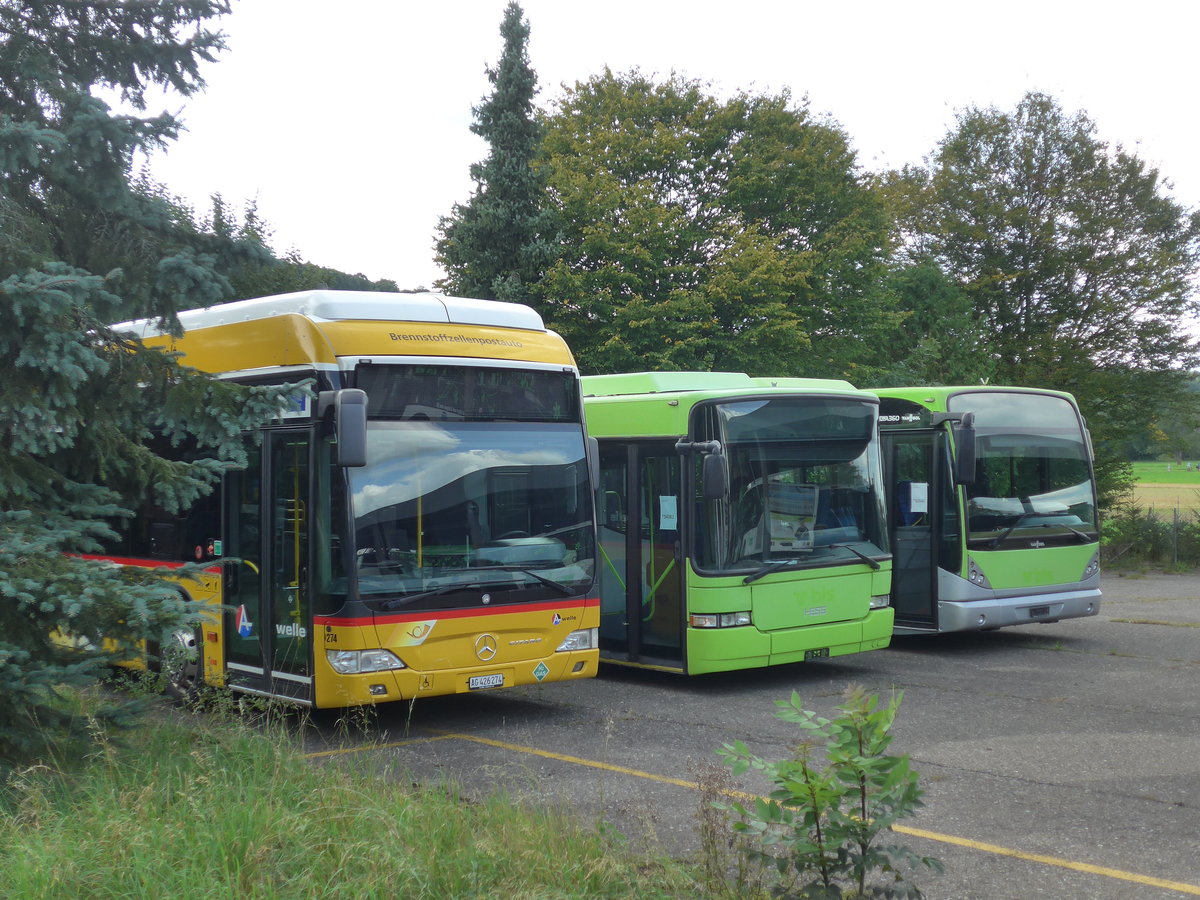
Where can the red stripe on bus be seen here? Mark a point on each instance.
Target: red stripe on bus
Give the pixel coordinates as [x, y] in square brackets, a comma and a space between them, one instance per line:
[388, 619]
[143, 563]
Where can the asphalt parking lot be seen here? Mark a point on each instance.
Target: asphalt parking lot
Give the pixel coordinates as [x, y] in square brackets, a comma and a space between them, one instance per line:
[1057, 760]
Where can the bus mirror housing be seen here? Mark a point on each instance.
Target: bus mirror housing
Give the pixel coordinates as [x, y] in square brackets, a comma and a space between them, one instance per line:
[349, 407]
[964, 449]
[714, 473]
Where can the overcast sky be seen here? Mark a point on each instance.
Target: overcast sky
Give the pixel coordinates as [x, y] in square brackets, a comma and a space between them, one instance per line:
[348, 122]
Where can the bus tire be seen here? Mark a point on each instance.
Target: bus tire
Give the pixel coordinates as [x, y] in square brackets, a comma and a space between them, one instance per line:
[182, 666]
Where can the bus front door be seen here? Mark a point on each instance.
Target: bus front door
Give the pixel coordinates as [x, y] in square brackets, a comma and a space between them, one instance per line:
[910, 461]
[641, 580]
[268, 624]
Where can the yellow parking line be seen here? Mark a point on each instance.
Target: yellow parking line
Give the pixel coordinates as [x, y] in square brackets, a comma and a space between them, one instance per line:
[363, 748]
[1147, 880]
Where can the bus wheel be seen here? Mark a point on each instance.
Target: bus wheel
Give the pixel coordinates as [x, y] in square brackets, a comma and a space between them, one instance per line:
[181, 667]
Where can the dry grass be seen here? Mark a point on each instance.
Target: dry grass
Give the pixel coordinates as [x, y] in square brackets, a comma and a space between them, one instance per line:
[1166, 497]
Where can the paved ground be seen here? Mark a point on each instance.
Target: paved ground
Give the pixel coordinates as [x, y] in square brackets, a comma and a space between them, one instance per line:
[1058, 760]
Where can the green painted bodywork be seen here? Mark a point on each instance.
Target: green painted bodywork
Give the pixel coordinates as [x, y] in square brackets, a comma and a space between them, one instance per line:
[793, 611]
[1008, 569]
[937, 398]
[657, 404]
[1012, 573]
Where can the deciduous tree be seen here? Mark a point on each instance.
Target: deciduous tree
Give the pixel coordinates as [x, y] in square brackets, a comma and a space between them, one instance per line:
[1075, 258]
[700, 233]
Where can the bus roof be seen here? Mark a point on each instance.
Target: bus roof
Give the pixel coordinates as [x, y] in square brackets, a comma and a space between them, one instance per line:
[682, 382]
[341, 329]
[936, 397]
[335, 306]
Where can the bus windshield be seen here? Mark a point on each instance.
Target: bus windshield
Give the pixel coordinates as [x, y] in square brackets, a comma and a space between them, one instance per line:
[454, 513]
[804, 485]
[1033, 476]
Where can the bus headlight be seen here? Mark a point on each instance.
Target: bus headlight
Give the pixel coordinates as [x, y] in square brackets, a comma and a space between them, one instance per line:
[975, 574]
[584, 639]
[355, 662]
[881, 601]
[719, 620]
[1092, 567]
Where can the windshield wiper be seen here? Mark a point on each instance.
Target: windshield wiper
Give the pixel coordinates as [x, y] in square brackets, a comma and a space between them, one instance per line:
[1084, 538]
[873, 563]
[999, 539]
[549, 582]
[441, 589]
[769, 568]
[788, 563]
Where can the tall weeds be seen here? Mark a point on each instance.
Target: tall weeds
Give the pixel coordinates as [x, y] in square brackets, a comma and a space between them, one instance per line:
[201, 810]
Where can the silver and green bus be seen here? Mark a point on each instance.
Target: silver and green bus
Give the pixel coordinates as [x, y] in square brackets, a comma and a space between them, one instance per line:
[741, 520]
[991, 507]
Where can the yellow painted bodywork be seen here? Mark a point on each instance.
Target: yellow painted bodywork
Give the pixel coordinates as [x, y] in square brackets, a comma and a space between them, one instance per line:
[296, 340]
[439, 650]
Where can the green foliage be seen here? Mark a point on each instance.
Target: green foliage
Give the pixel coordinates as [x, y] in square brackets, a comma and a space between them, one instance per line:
[821, 826]
[79, 400]
[78, 405]
[1077, 263]
[499, 243]
[707, 234]
[940, 340]
[1134, 536]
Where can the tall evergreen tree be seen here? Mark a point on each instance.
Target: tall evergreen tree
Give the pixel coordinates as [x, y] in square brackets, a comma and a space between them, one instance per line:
[80, 402]
[498, 244]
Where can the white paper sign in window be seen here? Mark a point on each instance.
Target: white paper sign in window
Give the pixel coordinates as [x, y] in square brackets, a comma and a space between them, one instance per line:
[668, 513]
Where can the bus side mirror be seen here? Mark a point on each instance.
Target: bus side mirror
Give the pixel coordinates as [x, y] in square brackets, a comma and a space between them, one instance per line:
[350, 423]
[714, 471]
[964, 449]
[715, 474]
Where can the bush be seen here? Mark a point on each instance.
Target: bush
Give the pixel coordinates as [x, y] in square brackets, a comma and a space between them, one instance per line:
[821, 827]
[1134, 536]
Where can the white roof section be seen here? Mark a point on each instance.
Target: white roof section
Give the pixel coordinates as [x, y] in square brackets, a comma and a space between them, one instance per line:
[334, 306]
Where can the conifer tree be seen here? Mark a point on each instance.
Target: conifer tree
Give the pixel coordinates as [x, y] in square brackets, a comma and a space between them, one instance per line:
[498, 244]
[81, 247]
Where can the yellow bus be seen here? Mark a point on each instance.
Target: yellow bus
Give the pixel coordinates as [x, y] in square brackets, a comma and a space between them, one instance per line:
[420, 523]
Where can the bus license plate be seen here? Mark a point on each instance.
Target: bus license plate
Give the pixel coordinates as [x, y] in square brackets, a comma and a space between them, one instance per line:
[819, 653]
[478, 682]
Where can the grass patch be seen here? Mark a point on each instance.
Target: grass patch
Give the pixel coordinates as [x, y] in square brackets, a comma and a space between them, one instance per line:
[190, 807]
[1157, 622]
[1167, 473]
[1035, 644]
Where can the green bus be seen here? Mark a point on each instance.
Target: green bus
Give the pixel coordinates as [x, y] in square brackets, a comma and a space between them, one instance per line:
[992, 507]
[741, 520]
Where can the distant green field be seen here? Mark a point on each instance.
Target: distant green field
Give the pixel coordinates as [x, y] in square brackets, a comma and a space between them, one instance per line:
[1161, 489]
[1167, 473]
